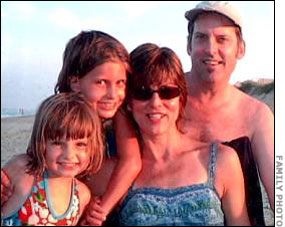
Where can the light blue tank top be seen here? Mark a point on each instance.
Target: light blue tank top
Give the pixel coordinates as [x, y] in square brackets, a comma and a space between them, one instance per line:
[194, 205]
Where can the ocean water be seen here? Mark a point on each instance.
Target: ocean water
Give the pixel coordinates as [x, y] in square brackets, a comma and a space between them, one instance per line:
[16, 112]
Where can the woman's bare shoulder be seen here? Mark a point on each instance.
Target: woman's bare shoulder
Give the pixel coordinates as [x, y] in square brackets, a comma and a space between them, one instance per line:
[227, 156]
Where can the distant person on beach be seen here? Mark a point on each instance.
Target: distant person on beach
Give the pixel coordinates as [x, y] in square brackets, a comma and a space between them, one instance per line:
[21, 111]
[183, 181]
[216, 110]
[97, 65]
[66, 141]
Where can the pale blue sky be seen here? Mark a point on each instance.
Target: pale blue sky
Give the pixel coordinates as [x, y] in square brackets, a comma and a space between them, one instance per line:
[34, 35]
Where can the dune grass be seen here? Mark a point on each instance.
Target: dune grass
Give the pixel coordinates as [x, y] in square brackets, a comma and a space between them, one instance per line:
[254, 88]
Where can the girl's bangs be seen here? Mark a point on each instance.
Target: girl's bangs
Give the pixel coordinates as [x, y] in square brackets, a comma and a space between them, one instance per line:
[73, 126]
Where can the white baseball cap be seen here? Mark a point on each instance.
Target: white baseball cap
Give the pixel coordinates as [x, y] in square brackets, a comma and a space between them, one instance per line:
[221, 7]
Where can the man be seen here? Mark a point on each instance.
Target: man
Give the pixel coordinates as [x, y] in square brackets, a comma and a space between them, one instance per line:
[217, 110]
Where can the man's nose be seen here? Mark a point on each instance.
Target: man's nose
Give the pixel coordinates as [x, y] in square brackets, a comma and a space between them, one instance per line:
[211, 46]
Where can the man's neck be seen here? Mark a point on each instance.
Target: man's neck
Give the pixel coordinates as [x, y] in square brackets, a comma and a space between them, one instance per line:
[208, 93]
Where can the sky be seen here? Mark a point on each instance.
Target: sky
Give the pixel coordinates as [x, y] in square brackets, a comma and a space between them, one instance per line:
[34, 35]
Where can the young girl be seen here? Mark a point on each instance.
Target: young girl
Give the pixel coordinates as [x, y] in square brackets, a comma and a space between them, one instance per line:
[65, 142]
[97, 65]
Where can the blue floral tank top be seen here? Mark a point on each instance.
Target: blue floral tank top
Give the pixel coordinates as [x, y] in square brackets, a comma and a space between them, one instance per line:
[194, 205]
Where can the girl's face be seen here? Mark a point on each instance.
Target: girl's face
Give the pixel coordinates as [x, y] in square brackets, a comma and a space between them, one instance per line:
[104, 86]
[156, 115]
[66, 158]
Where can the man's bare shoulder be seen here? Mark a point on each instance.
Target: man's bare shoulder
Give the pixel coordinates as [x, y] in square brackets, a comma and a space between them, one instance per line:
[255, 106]
[245, 98]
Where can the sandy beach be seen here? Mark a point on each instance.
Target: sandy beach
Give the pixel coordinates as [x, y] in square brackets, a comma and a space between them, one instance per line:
[15, 135]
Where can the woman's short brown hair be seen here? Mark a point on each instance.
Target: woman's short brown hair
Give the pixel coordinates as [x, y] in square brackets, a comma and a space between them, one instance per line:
[153, 65]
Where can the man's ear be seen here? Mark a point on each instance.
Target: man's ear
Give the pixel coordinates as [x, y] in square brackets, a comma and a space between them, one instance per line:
[189, 50]
[241, 50]
[74, 84]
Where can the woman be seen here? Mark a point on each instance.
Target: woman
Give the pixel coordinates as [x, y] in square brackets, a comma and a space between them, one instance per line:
[182, 181]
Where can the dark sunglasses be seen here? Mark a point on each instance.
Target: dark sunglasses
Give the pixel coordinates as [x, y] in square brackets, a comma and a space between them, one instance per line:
[164, 92]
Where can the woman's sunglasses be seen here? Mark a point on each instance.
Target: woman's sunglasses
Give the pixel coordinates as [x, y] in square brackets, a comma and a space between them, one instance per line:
[164, 92]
